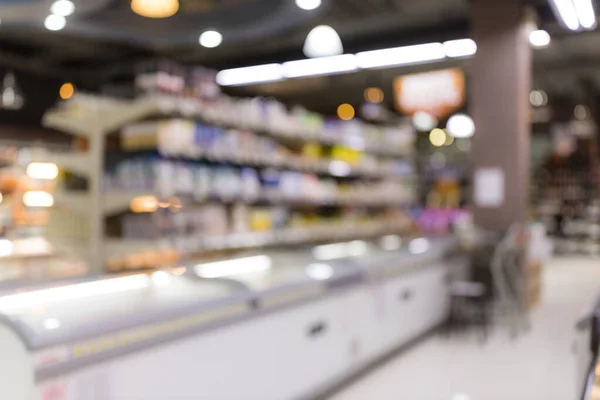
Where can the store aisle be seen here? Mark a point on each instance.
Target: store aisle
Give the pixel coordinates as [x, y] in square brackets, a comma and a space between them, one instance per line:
[537, 366]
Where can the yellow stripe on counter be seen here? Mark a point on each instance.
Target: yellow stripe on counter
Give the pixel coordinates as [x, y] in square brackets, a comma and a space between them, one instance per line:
[143, 334]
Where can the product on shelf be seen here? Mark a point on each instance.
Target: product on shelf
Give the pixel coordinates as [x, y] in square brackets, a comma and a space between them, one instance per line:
[191, 170]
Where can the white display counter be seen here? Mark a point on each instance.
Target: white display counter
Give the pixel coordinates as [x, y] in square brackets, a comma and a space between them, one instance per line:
[285, 325]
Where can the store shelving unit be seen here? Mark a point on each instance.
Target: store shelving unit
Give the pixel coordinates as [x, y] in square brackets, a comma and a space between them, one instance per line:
[94, 118]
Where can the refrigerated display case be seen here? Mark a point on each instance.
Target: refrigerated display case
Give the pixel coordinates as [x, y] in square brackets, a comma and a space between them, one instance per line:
[281, 325]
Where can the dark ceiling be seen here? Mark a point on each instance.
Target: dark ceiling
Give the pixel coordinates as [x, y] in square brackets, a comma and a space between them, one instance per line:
[105, 33]
[104, 38]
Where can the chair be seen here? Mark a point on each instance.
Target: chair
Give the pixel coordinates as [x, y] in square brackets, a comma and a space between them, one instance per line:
[494, 286]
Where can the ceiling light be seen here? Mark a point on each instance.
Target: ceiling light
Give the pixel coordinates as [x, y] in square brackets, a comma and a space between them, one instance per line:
[374, 95]
[155, 8]
[55, 22]
[566, 13]
[67, 90]
[250, 75]
[63, 8]
[320, 66]
[308, 4]
[43, 171]
[401, 55]
[211, 39]
[585, 13]
[424, 121]
[461, 126]
[437, 137]
[460, 48]
[539, 38]
[323, 41]
[240, 266]
[345, 112]
[38, 198]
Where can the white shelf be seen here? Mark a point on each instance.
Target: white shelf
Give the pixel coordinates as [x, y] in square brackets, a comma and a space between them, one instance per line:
[116, 248]
[92, 115]
[95, 117]
[113, 202]
[20, 249]
[77, 163]
[78, 201]
[78, 125]
[92, 112]
[117, 202]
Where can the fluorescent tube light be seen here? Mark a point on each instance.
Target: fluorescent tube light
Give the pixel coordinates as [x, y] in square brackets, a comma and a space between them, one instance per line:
[401, 55]
[240, 266]
[250, 75]
[565, 11]
[460, 48]
[585, 13]
[320, 66]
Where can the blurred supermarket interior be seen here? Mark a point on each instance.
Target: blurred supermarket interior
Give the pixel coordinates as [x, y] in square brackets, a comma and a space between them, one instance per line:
[299, 199]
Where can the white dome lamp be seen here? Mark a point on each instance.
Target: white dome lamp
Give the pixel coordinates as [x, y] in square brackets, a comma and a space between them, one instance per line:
[323, 41]
[460, 126]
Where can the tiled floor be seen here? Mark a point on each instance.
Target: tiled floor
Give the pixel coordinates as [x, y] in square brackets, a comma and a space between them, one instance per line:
[538, 366]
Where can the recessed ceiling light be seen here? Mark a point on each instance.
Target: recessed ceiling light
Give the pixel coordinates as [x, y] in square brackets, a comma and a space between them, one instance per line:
[155, 8]
[308, 4]
[461, 126]
[211, 39]
[67, 90]
[63, 8]
[55, 22]
[539, 38]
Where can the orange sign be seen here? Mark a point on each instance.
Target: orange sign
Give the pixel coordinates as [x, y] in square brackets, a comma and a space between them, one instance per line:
[438, 93]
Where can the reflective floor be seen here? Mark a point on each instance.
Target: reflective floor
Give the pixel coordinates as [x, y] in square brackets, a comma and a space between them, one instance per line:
[539, 365]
